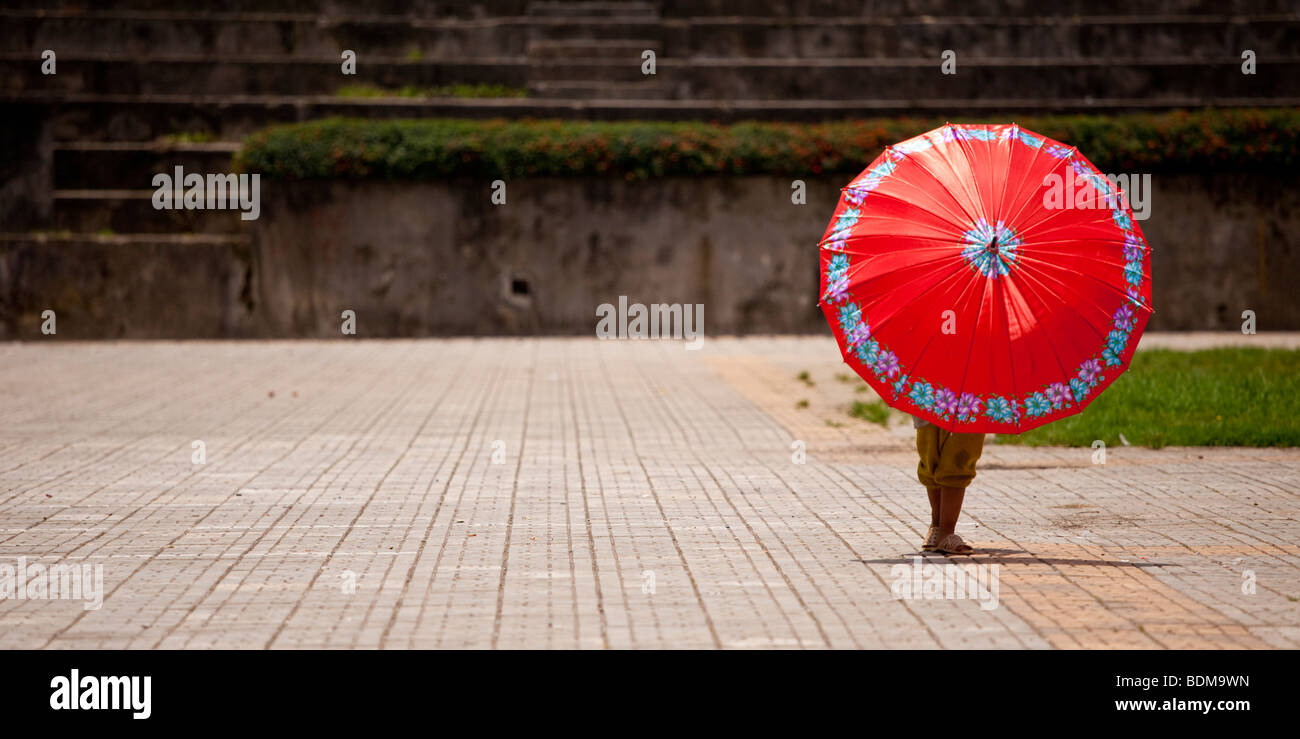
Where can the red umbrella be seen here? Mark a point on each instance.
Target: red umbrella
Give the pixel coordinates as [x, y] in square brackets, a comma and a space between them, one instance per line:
[985, 278]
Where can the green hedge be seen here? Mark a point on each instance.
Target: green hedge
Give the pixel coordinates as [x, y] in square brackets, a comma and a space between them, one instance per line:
[436, 148]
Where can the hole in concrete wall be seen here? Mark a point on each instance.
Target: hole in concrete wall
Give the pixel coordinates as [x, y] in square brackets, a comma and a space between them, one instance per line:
[517, 290]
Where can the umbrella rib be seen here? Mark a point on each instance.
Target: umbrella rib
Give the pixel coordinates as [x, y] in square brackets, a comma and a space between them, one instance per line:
[1011, 360]
[948, 220]
[1002, 196]
[1057, 213]
[958, 269]
[916, 161]
[1049, 337]
[1060, 164]
[970, 348]
[1066, 303]
[1110, 285]
[974, 197]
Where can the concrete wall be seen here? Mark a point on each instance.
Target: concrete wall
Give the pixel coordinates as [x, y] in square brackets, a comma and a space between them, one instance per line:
[439, 258]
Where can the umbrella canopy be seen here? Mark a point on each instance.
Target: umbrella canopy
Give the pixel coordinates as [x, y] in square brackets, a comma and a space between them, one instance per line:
[985, 278]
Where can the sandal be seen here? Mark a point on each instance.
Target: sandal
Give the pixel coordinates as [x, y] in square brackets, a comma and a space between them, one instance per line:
[931, 542]
[953, 544]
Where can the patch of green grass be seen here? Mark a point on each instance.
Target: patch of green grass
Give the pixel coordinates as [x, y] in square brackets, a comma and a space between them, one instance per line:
[1247, 139]
[805, 378]
[1215, 397]
[457, 90]
[188, 137]
[802, 404]
[843, 377]
[834, 424]
[875, 411]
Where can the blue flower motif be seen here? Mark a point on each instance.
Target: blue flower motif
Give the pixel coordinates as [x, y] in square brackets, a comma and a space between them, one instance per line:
[1111, 357]
[838, 267]
[868, 351]
[849, 316]
[923, 395]
[1037, 405]
[911, 146]
[1079, 388]
[1117, 341]
[973, 134]
[900, 385]
[1122, 219]
[1133, 273]
[1000, 409]
[1028, 140]
[845, 222]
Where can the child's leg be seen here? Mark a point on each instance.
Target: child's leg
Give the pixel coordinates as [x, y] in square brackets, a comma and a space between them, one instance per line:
[927, 449]
[958, 454]
[950, 500]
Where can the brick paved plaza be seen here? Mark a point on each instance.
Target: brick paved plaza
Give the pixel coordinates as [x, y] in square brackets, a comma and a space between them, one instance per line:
[573, 493]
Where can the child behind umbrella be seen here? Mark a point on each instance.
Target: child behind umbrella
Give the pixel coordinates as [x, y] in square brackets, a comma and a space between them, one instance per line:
[946, 468]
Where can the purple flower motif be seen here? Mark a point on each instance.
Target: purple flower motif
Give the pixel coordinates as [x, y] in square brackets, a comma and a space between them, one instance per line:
[1124, 318]
[945, 402]
[857, 334]
[968, 406]
[1132, 247]
[886, 364]
[838, 290]
[1089, 370]
[1058, 394]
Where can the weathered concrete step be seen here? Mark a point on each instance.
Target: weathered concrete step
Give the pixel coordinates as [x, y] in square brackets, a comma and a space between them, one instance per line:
[1155, 79]
[1040, 37]
[324, 8]
[618, 50]
[684, 8]
[581, 8]
[144, 118]
[113, 286]
[696, 78]
[132, 211]
[115, 165]
[650, 89]
[255, 76]
[234, 35]
[984, 9]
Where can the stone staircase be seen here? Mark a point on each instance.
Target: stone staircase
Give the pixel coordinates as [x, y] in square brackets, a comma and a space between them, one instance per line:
[146, 85]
